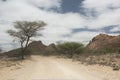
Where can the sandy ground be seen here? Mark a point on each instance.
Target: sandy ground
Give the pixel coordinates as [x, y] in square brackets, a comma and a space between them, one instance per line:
[52, 68]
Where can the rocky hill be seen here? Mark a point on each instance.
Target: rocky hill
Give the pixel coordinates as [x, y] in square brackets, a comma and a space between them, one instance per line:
[101, 42]
[35, 48]
[104, 41]
[103, 50]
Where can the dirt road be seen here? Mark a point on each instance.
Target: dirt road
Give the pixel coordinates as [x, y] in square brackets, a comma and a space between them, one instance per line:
[52, 68]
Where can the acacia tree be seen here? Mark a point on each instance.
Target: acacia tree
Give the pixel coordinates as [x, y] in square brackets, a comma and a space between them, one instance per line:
[25, 31]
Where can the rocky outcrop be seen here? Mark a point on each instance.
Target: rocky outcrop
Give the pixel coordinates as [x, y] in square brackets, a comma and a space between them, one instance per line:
[34, 48]
[103, 40]
[50, 49]
[37, 47]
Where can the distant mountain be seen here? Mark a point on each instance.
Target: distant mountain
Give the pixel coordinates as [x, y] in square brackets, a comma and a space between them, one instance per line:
[104, 41]
[35, 48]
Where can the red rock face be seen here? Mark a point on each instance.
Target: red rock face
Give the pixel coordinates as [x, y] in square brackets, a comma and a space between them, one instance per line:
[103, 40]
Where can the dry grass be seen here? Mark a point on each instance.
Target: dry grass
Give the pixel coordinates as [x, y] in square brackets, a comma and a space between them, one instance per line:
[9, 62]
[112, 60]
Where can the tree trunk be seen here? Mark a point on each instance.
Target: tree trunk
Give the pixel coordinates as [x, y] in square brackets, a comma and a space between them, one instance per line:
[25, 48]
[22, 52]
[27, 43]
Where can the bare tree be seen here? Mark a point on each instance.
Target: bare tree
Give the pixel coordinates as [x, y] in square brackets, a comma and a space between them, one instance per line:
[25, 30]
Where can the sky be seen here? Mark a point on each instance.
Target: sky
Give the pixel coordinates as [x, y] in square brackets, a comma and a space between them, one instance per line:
[67, 20]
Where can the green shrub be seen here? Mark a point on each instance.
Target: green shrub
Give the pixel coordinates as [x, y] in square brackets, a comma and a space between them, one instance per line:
[70, 48]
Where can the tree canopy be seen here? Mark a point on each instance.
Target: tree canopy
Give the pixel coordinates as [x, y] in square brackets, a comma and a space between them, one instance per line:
[24, 31]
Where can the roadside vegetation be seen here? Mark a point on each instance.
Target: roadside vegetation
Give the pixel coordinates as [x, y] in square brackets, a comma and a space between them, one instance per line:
[70, 49]
[106, 56]
[105, 50]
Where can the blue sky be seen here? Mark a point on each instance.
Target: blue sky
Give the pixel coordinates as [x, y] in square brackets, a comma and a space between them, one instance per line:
[67, 20]
[71, 6]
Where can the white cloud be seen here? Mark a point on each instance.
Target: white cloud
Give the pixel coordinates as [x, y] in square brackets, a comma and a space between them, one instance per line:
[105, 19]
[84, 36]
[6, 47]
[101, 6]
[59, 24]
[107, 13]
[46, 4]
[115, 29]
